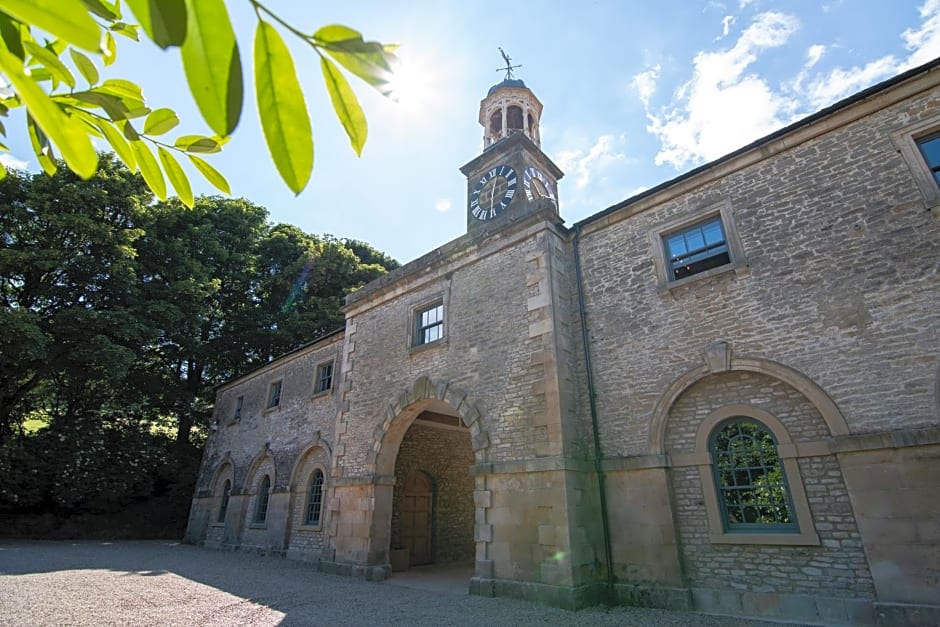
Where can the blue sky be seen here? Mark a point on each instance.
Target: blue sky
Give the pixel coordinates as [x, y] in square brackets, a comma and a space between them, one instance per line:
[635, 93]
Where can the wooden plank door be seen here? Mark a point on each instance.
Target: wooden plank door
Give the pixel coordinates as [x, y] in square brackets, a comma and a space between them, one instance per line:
[416, 517]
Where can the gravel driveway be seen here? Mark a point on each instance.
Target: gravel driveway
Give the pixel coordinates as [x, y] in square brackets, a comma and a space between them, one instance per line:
[167, 583]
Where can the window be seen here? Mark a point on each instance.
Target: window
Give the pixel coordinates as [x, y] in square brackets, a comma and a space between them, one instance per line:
[261, 503]
[930, 149]
[274, 395]
[697, 245]
[324, 379]
[429, 324]
[239, 402]
[223, 508]
[315, 498]
[750, 480]
[919, 147]
[697, 248]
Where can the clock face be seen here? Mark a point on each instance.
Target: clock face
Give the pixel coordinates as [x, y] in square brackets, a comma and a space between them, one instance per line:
[493, 192]
[537, 185]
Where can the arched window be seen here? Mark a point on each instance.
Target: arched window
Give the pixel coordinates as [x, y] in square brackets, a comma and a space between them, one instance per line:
[315, 498]
[496, 123]
[261, 503]
[531, 124]
[514, 119]
[749, 478]
[223, 508]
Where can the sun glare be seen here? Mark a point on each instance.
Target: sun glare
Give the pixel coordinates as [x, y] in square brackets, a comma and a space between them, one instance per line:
[411, 81]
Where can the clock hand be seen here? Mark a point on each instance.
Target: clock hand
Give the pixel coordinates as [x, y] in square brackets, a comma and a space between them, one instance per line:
[492, 196]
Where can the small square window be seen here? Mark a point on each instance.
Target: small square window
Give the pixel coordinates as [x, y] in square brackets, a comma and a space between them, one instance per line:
[696, 248]
[239, 402]
[930, 149]
[324, 378]
[697, 245]
[429, 324]
[274, 395]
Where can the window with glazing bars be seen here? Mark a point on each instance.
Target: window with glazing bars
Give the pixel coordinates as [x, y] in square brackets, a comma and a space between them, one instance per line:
[261, 504]
[239, 402]
[324, 380]
[429, 324]
[751, 483]
[274, 395]
[930, 149]
[697, 248]
[223, 508]
[315, 498]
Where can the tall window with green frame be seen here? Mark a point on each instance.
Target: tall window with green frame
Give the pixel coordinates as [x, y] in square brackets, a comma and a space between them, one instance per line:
[261, 504]
[315, 498]
[750, 479]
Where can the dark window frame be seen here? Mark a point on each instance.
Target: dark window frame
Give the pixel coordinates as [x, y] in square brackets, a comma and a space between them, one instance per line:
[429, 330]
[261, 500]
[239, 405]
[695, 249]
[223, 506]
[274, 394]
[323, 379]
[740, 488]
[313, 516]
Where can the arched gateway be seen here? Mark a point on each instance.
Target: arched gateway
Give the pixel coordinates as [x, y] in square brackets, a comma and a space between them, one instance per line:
[430, 437]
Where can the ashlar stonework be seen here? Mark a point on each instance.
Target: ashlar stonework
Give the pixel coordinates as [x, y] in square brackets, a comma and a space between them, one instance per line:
[558, 420]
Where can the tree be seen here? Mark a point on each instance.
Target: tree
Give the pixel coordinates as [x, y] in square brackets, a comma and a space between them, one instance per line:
[69, 296]
[61, 116]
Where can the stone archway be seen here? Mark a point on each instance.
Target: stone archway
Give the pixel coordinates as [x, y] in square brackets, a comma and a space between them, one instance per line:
[409, 409]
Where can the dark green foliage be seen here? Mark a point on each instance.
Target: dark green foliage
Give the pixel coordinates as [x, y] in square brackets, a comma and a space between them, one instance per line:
[118, 317]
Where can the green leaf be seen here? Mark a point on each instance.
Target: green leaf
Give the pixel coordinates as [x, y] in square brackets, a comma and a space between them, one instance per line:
[50, 62]
[128, 30]
[123, 89]
[345, 104]
[161, 121]
[12, 37]
[41, 147]
[110, 49]
[65, 19]
[112, 105]
[67, 134]
[212, 175]
[164, 21]
[212, 64]
[177, 177]
[107, 10]
[119, 144]
[149, 169]
[198, 143]
[369, 60]
[3, 172]
[85, 66]
[282, 109]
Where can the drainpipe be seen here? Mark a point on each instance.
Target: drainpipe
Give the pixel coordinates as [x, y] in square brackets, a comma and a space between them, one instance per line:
[598, 455]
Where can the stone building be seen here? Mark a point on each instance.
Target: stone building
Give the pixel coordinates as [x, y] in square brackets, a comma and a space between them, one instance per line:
[721, 394]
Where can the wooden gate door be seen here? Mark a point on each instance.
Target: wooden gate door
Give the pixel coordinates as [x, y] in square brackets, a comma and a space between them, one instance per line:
[416, 517]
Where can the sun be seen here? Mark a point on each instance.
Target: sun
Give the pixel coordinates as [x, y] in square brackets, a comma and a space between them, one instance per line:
[412, 81]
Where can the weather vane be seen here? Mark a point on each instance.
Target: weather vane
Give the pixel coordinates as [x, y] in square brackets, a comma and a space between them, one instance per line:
[509, 66]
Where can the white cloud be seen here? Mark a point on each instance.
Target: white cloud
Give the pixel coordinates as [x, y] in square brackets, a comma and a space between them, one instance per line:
[645, 83]
[744, 3]
[443, 205]
[590, 163]
[923, 43]
[725, 27]
[9, 161]
[723, 108]
[814, 54]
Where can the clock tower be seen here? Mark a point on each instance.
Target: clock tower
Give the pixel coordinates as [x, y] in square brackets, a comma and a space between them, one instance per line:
[512, 178]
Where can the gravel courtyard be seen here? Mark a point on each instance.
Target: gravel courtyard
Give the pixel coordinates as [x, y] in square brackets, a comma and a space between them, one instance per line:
[167, 583]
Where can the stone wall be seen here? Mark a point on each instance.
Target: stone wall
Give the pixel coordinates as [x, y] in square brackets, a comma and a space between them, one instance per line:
[840, 283]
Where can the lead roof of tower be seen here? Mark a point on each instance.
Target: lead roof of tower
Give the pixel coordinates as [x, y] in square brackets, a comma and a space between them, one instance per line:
[509, 82]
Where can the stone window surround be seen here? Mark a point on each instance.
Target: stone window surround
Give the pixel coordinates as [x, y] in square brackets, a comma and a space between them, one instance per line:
[316, 378]
[268, 407]
[224, 472]
[415, 311]
[787, 452]
[257, 522]
[738, 262]
[905, 140]
[305, 526]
